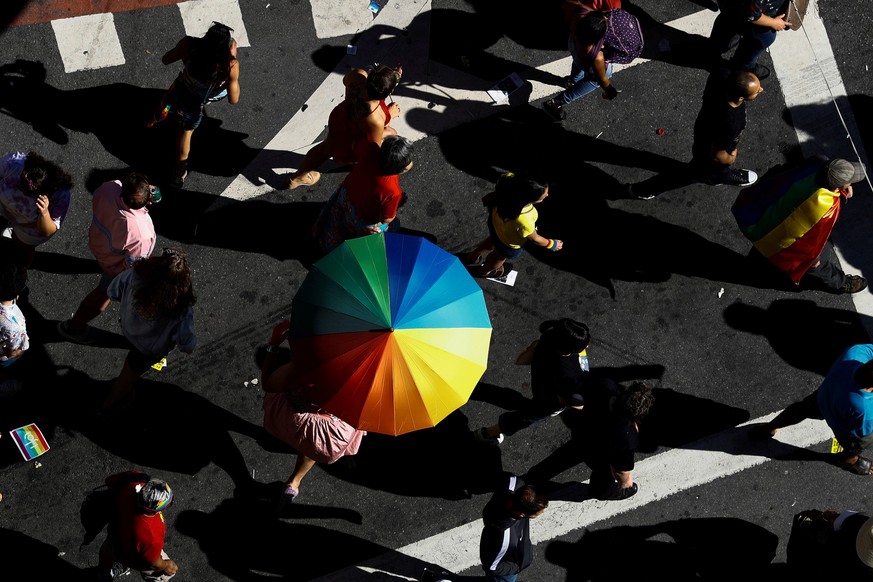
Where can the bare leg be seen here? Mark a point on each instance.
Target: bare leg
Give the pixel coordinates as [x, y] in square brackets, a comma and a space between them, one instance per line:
[184, 149]
[493, 261]
[793, 414]
[123, 385]
[301, 468]
[306, 174]
[91, 306]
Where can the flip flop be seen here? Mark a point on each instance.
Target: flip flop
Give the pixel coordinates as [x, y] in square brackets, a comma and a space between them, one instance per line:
[860, 467]
[307, 179]
[501, 271]
[471, 260]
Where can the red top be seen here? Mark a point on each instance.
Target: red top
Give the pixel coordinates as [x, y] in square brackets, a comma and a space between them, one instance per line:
[374, 196]
[137, 538]
[344, 133]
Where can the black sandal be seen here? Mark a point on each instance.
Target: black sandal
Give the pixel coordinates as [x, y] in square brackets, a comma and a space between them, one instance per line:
[860, 467]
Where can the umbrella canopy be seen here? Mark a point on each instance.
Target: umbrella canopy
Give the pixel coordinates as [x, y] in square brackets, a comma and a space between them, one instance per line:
[788, 218]
[392, 332]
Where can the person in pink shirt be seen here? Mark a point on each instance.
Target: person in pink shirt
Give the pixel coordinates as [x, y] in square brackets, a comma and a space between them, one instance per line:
[121, 233]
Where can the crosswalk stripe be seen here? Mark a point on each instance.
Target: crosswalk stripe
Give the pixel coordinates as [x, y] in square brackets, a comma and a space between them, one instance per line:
[659, 477]
[808, 95]
[429, 90]
[198, 15]
[88, 42]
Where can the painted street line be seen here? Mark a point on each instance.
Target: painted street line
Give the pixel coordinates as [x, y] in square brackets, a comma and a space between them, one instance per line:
[659, 477]
[432, 97]
[88, 42]
[808, 97]
[340, 17]
[198, 16]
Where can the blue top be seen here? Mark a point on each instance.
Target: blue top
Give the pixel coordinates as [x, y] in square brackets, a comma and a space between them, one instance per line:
[847, 408]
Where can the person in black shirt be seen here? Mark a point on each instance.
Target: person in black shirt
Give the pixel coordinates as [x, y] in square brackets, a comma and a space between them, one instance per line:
[505, 548]
[610, 435]
[717, 132]
[724, 119]
[559, 369]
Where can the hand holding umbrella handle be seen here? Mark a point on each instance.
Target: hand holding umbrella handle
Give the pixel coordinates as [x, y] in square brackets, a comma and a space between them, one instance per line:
[280, 333]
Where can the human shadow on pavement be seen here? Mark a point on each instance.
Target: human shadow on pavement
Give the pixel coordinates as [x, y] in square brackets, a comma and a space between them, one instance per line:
[684, 549]
[211, 442]
[675, 421]
[269, 224]
[21, 553]
[785, 322]
[273, 548]
[119, 123]
[629, 246]
[442, 462]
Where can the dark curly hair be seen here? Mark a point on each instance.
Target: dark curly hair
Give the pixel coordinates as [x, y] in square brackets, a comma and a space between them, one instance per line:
[45, 176]
[634, 401]
[164, 288]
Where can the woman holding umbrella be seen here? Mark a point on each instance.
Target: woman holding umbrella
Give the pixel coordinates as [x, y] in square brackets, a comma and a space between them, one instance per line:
[318, 437]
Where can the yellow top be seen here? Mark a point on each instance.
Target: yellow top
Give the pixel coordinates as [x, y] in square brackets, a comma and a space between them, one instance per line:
[514, 232]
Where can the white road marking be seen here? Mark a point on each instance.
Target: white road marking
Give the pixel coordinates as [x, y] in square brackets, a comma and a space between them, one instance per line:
[340, 17]
[88, 42]
[198, 15]
[429, 94]
[820, 132]
[659, 477]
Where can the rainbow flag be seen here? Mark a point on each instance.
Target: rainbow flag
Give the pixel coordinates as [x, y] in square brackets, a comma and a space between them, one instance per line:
[788, 218]
[29, 441]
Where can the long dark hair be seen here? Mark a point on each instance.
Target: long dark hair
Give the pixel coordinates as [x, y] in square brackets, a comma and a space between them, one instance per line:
[514, 193]
[164, 288]
[211, 56]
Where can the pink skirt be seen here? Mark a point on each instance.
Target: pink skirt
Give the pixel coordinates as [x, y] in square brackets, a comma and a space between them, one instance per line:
[316, 434]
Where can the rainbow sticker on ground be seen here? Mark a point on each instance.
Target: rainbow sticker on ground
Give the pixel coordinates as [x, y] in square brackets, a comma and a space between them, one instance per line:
[29, 441]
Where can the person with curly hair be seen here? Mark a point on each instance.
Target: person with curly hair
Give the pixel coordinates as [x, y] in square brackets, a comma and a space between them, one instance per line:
[157, 315]
[610, 427]
[210, 73]
[34, 200]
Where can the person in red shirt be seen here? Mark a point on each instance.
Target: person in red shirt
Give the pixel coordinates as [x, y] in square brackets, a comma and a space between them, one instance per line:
[368, 199]
[362, 114]
[136, 533]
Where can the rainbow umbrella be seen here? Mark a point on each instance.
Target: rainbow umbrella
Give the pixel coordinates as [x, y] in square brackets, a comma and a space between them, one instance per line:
[392, 333]
[788, 218]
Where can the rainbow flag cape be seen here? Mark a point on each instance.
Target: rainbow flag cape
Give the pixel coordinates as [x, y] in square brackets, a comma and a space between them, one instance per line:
[29, 441]
[788, 218]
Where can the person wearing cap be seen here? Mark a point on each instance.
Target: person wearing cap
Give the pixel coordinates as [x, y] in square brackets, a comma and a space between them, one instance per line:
[845, 401]
[505, 548]
[135, 538]
[121, 233]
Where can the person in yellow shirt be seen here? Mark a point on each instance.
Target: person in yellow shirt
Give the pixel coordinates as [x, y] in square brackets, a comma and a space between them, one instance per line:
[512, 221]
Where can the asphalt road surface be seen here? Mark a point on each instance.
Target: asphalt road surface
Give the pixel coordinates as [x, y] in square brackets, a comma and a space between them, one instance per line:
[666, 286]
